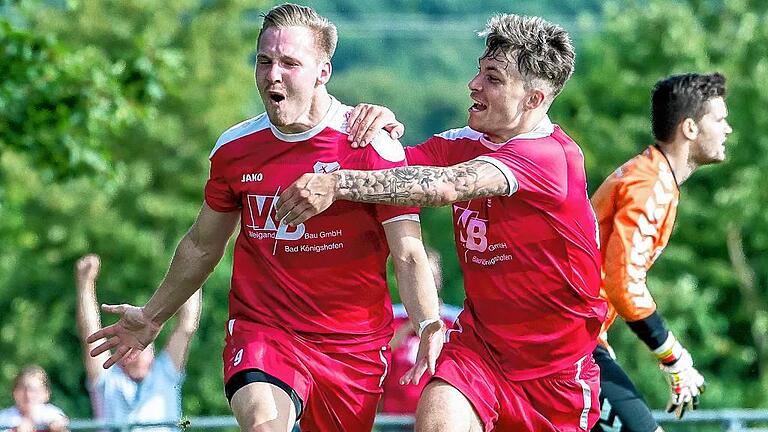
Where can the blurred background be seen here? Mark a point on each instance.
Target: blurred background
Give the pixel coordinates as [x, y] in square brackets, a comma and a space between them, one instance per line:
[108, 111]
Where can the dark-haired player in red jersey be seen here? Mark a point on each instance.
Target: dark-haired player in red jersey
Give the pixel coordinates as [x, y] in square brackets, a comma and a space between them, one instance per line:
[519, 358]
[310, 314]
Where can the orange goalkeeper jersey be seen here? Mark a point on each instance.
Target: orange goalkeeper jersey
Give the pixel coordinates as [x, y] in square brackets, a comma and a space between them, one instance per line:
[636, 208]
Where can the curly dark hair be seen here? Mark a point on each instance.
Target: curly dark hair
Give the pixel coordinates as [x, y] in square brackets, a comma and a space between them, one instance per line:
[679, 97]
[541, 51]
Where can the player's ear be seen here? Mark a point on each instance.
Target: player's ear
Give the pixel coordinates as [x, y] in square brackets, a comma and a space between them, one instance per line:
[325, 73]
[534, 99]
[689, 128]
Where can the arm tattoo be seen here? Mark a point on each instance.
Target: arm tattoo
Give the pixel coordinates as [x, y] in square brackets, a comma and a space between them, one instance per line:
[423, 186]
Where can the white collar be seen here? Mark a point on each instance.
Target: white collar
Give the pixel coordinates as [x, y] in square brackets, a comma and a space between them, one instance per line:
[545, 128]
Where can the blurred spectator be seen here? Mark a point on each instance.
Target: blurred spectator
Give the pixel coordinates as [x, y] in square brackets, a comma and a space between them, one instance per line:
[32, 412]
[146, 389]
[402, 399]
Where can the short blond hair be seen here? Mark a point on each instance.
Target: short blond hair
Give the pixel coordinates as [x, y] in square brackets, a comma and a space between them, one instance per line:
[541, 51]
[293, 15]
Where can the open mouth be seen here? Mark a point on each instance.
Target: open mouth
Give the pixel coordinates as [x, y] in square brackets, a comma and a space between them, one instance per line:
[276, 97]
[477, 107]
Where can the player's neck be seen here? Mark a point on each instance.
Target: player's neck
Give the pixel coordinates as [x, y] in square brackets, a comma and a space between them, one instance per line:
[318, 108]
[678, 155]
[529, 120]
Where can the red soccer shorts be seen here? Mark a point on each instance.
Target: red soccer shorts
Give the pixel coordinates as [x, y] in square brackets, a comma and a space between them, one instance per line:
[339, 391]
[562, 402]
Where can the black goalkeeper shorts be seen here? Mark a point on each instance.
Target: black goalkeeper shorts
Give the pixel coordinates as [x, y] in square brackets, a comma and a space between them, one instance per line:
[622, 409]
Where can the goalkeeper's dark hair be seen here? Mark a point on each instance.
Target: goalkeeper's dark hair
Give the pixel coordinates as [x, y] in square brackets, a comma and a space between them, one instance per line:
[293, 15]
[679, 97]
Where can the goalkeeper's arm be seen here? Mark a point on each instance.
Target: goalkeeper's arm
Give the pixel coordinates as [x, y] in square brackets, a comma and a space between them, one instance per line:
[686, 383]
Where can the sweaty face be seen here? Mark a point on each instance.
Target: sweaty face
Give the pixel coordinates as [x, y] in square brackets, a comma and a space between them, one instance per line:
[287, 72]
[709, 146]
[31, 392]
[498, 94]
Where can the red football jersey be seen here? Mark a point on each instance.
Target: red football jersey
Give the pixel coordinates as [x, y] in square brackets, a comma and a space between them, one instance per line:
[530, 260]
[324, 279]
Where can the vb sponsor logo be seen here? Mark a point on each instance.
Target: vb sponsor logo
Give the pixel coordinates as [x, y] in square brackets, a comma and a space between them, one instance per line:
[262, 223]
[472, 229]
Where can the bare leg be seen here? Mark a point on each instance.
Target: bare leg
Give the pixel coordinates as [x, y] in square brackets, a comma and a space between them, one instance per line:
[263, 407]
[442, 408]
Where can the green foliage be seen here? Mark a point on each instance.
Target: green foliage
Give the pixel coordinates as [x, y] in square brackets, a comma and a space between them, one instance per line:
[55, 101]
[135, 85]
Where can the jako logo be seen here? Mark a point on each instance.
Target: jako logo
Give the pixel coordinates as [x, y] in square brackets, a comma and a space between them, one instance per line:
[261, 209]
[252, 177]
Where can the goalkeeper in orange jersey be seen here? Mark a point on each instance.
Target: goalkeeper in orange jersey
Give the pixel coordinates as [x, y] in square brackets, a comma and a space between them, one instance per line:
[636, 208]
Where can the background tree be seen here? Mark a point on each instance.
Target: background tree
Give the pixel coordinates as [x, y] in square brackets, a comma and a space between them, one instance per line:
[146, 88]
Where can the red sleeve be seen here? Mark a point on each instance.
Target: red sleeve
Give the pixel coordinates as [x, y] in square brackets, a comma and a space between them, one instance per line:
[429, 153]
[539, 168]
[218, 194]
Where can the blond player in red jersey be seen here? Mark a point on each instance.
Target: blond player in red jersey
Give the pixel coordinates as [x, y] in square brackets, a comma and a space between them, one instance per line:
[310, 314]
[636, 208]
[519, 356]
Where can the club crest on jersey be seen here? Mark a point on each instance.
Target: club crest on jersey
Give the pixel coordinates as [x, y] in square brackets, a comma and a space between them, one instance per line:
[325, 167]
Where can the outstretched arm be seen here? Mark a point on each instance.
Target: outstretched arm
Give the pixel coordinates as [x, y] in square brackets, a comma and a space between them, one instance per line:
[88, 318]
[418, 293]
[422, 186]
[196, 255]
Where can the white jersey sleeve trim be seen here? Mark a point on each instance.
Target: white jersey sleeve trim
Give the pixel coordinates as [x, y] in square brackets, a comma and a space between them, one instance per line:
[241, 129]
[389, 149]
[411, 216]
[511, 179]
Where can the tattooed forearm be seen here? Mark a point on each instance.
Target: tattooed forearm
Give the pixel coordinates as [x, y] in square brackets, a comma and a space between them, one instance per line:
[422, 186]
